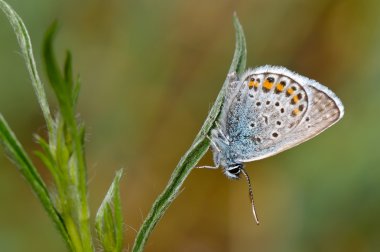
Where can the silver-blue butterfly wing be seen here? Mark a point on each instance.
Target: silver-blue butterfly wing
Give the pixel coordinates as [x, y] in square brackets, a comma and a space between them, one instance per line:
[271, 109]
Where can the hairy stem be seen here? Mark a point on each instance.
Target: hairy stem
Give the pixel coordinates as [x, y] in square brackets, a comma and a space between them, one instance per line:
[194, 154]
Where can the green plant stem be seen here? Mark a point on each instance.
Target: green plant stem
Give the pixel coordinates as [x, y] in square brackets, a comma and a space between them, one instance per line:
[194, 154]
[84, 213]
[73, 232]
[82, 208]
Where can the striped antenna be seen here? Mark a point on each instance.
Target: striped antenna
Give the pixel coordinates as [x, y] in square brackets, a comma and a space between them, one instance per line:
[250, 195]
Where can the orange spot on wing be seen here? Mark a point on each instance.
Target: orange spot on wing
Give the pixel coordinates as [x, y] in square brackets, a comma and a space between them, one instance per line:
[295, 99]
[280, 87]
[289, 91]
[267, 85]
[295, 112]
[253, 84]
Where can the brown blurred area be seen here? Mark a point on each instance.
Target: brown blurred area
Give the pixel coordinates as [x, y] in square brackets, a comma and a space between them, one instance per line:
[150, 72]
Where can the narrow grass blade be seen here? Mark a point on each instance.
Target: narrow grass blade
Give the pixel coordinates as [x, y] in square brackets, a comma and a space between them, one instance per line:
[27, 52]
[109, 220]
[196, 151]
[27, 169]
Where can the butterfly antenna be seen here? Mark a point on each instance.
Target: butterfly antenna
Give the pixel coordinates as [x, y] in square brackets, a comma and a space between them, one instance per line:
[250, 195]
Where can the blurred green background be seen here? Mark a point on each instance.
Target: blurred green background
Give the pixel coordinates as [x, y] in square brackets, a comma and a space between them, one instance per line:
[151, 70]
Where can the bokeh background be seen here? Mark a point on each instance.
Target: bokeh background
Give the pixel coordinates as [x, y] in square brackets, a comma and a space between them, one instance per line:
[152, 69]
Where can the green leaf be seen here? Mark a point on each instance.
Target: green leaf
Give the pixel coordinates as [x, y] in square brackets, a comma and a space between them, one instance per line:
[22, 161]
[73, 86]
[27, 52]
[46, 156]
[68, 69]
[62, 84]
[57, 81]
[109, 219]
[196, 151]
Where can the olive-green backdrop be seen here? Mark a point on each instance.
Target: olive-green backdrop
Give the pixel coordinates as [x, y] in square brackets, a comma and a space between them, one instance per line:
[150, 72]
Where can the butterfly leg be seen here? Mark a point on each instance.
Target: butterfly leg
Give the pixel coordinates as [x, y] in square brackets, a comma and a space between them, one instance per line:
[213, 144]
[219, 137]
[218, 151]
[226, 139]
[207, 167]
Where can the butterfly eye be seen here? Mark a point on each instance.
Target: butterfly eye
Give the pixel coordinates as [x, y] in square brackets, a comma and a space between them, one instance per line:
[234, 171]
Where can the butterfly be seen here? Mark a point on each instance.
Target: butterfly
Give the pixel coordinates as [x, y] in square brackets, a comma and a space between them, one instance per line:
[265, 111]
